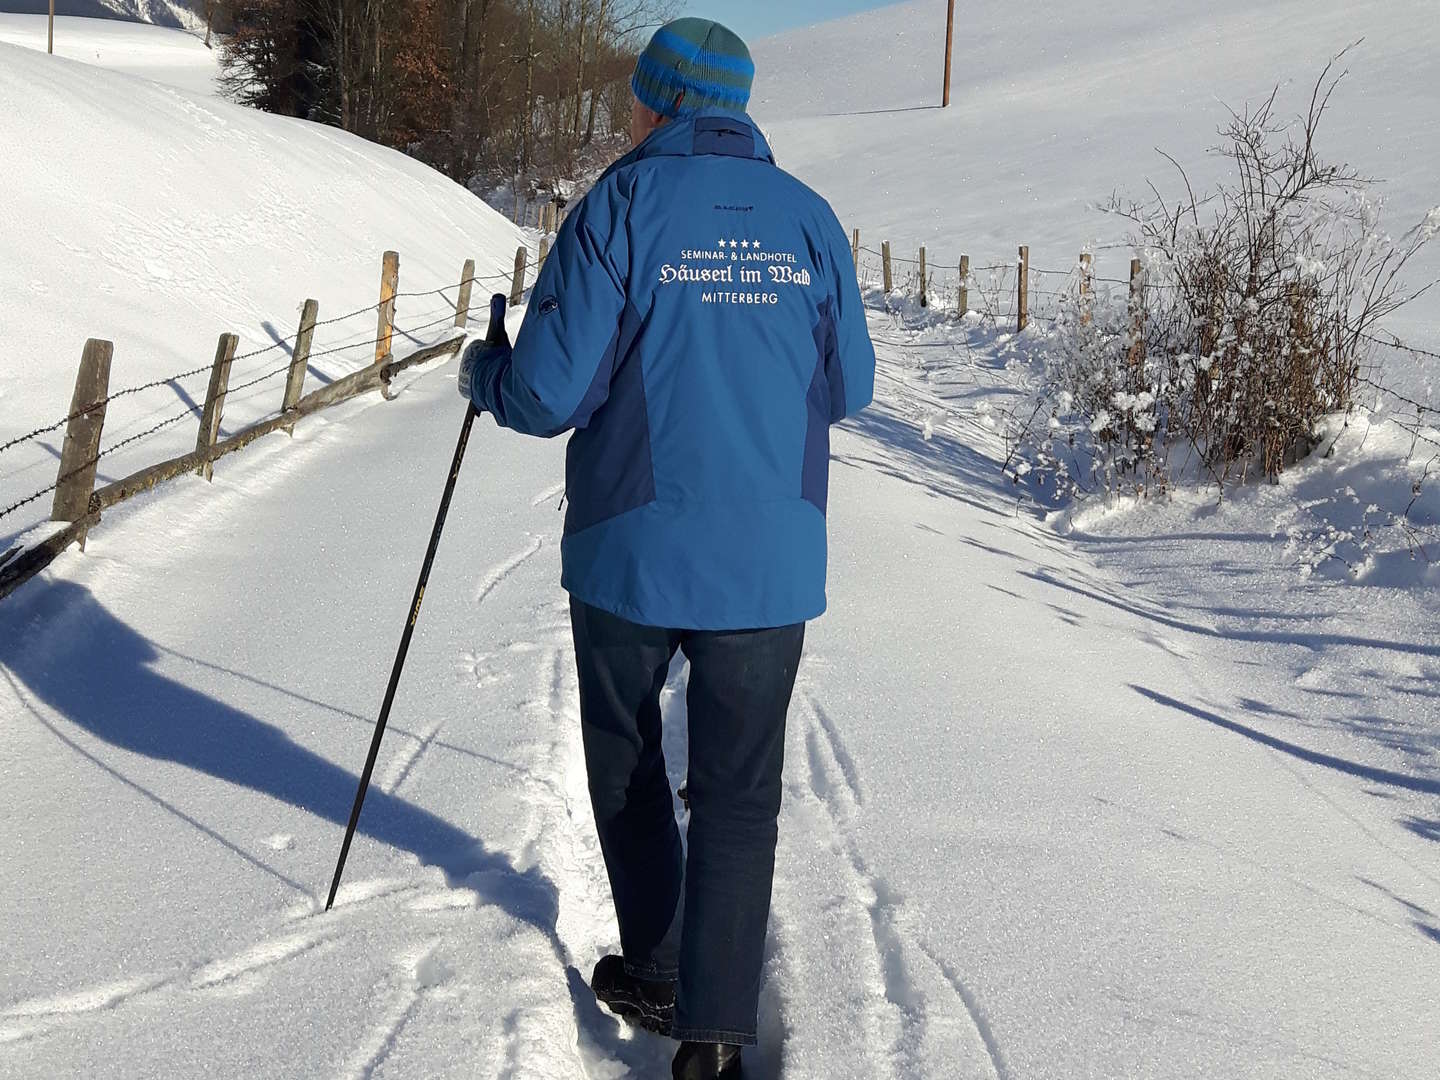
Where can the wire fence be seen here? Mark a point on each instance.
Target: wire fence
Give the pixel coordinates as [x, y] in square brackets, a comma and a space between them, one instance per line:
[1020, 292]
[990, 290]
[255, 375]
[1427, 415]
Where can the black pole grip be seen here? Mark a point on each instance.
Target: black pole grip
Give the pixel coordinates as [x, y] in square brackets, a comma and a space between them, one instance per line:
[495, 333]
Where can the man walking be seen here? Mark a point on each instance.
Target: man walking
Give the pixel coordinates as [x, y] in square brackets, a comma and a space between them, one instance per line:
[699, 328]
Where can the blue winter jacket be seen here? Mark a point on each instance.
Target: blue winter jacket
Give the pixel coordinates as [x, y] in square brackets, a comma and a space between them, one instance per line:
[699, 327]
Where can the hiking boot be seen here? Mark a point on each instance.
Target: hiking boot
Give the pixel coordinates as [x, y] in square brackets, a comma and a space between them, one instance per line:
[706, 1061]
[645, 1003]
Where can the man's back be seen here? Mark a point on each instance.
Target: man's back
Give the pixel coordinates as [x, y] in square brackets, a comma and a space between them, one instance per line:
[698, 325]
[705, 307]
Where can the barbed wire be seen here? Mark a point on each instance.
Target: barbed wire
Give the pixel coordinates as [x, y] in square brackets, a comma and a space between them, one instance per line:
[190, 411]
[1419, 406]
[474, 278]
[95, 460]
[256, 381]
[280, 343]
[1415, 432]
[1396, 343]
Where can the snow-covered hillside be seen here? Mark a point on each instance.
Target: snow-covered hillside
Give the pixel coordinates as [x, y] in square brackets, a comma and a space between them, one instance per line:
[165, 54]
[1055, 106]
[159, 219]
[171, 13]
[1132, 798]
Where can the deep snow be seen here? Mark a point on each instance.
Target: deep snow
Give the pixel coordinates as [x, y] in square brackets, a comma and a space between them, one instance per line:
[1130, 798]
[165, 54]
[1055, 106]
[1039, 822]
[157, 218]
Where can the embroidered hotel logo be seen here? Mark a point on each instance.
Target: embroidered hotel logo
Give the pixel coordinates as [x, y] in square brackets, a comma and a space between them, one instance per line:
[745, 263]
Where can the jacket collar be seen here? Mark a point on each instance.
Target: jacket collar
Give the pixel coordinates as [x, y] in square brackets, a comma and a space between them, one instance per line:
[719, 132]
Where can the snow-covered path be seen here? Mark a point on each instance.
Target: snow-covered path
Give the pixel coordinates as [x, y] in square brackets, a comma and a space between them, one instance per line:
[1039, 822]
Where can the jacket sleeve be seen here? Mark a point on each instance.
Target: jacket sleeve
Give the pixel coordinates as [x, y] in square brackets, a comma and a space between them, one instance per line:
[558, 372]
[849, 355]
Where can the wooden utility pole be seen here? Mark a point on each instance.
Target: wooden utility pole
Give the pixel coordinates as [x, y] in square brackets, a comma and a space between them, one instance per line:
[50, 47]
[949, 46]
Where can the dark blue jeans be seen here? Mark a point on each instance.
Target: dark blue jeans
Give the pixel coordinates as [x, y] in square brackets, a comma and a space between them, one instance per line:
[701, 918]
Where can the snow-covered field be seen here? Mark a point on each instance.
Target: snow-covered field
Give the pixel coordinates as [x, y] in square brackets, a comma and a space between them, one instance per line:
[1131, 797]
[167, 55]
[1055, 106]
[159, 218]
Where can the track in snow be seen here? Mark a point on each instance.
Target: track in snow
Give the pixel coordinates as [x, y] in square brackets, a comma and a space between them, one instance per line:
[859, 993]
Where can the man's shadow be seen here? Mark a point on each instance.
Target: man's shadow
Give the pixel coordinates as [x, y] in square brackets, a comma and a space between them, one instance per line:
[94, 670]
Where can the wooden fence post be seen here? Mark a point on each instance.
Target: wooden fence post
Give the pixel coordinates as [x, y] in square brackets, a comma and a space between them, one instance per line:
[215, 402]
[517, 283]
[924, 281]
[389, 286]
[855, 248]
[1137, 315]
[78, 454]
[885, 263]
[1022, 316]
[300, 358]
[964, 285]
[544, 250]
[519, 209]
[1087, 285]
[462, 304]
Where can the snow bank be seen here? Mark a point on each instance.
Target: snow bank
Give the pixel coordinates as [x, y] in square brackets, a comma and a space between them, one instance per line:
[159, 219]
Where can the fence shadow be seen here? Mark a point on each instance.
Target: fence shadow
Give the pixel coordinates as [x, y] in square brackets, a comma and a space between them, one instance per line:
[942, 465]
[95, 671]
[1383, 777]
[882, 112]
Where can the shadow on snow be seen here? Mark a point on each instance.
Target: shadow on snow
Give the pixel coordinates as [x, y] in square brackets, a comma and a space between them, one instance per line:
[95, 671]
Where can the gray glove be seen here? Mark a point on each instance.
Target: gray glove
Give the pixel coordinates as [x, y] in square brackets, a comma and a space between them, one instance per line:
[480, 353]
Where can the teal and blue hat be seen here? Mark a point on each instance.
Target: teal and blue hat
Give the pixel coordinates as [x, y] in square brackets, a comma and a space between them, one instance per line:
[693, 64]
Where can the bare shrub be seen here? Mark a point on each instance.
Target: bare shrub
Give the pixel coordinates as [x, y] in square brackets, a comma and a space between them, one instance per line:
[1256, 309]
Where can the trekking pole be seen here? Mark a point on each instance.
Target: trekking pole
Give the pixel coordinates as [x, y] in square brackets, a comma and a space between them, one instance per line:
[494, 335]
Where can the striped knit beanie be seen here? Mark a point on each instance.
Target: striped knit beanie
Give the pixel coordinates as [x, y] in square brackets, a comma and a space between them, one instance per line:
[693, 64]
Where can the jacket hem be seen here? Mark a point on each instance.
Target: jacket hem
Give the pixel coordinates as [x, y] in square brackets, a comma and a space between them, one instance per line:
[659, 619]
